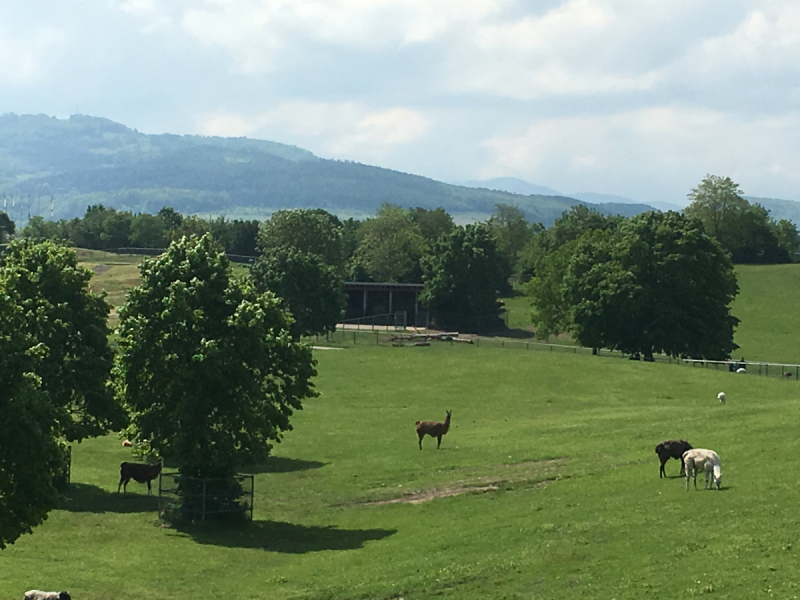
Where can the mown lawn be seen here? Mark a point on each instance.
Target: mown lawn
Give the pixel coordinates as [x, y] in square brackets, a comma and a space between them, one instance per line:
[768, 306]
[550, 462]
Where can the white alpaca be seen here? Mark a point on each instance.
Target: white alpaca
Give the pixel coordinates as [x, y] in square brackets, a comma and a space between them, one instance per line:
[708, 461]
[721, 397]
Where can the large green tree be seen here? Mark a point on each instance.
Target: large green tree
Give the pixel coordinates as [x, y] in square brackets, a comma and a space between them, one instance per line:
[390, 246]
[432, 223]
[66, 322]
[311, 289]
[512, 230]
[462, 274]
[744, 230]
[571, 225]
[302, 262]
[208, 367]
[657, 284]
[29, 452]
[310, 231]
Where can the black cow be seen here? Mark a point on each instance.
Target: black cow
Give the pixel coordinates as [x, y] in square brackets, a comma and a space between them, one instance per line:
[143, 473]
[671, 449]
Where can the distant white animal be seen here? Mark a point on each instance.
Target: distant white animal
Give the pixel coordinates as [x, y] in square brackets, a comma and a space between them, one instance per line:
[721, 397]
[38, 595]
[707, 460]
[741, 370]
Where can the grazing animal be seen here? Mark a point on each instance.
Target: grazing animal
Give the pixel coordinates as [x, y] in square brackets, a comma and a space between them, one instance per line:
[126, 443]
[671, 449]
[143, 473]
[741, 370]
[708, 461]
[433, 429]
[721, 397]
[788, 374]
[39, 595]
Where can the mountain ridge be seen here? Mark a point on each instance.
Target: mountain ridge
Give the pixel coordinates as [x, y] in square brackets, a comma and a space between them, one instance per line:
[58, 167]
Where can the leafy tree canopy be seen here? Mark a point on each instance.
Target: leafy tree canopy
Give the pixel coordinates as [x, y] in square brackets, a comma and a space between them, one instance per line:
[208, 367]
[432, 223]
[571, 225]
[657, 284]
[311, 231]
[67, 323]
[462, 275]
[29, 452]
[744, 230]
[309, 288]
[390, 246]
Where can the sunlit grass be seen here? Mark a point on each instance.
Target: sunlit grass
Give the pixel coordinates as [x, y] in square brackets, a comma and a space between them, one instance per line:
[551, 460]
[767, 306]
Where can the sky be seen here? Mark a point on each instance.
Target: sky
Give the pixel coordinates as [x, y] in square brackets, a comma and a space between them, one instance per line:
[636, 98]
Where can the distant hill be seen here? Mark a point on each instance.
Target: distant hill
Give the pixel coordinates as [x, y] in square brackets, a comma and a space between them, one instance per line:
[779, 209]
[69, 164]
[511, 184]
[605, 203]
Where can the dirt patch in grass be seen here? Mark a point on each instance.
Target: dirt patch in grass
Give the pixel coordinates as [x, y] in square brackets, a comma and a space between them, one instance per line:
[528, 474]
[100, 269]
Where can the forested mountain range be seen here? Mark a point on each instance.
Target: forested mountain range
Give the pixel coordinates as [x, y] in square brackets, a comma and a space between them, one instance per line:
[58, 167]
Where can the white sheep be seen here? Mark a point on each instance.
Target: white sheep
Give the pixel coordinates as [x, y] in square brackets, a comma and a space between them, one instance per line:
[721, 397]
[39, 595]
[708, 461]
[741, 370]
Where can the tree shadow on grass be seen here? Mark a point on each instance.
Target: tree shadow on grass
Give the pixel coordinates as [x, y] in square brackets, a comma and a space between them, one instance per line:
[276, 536]
[282, 464]
[517, 334]
[81, 497]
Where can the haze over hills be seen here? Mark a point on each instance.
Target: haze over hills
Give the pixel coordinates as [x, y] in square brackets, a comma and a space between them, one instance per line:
[778, 208]
[56, 168]
[70, 164]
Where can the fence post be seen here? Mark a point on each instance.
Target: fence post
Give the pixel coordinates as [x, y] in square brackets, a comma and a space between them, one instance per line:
[203, 513]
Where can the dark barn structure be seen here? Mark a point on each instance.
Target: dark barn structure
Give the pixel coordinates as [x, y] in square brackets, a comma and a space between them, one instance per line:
[366, 300]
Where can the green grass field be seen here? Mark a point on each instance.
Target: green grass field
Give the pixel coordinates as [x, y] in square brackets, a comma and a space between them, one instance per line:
[546, 487]
[767, 305]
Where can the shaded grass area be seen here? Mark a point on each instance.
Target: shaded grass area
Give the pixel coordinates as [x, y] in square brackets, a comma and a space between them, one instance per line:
[559, 495]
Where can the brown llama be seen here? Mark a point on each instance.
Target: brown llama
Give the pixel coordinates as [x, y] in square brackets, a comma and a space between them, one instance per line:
[433, 429]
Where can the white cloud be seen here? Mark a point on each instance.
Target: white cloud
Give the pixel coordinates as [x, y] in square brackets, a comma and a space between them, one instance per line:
[344, 130]
[26, 59]
[260, 32]
[664, 150]
[768, 38]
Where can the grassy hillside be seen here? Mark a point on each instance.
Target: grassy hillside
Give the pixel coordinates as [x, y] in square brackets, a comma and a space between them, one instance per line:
[767, 307]
[546, 487]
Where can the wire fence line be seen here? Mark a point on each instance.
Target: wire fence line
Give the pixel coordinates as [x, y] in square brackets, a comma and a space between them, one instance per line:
[399, 337]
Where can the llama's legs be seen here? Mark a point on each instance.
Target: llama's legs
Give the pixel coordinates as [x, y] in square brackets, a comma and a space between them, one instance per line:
[420, 440]
[438, 442]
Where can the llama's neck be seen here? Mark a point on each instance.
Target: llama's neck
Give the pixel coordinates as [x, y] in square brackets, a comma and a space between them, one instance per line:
[446, 424]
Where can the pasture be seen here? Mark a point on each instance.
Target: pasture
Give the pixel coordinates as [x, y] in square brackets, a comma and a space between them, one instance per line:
[546, 486]
[767, 307]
